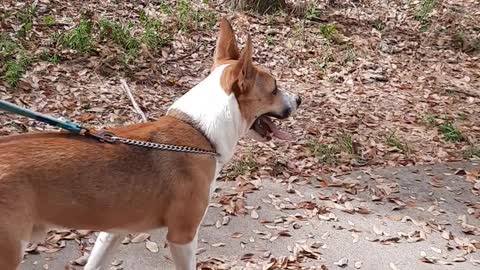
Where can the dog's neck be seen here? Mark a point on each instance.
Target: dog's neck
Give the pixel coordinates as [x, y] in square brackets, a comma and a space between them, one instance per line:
[214, 113]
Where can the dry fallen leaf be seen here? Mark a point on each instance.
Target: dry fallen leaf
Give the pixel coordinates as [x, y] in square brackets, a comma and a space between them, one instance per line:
[356, 237]
[236, 235]
[343, 262]
[151, 246]
[254, 214]
[116, 262]
[376, 230]
[200, 251]
[225, 220]
[393, 266]
[140, 238]
[81, 260]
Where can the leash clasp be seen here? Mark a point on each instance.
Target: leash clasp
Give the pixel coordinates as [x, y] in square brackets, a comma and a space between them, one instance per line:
[107, 137]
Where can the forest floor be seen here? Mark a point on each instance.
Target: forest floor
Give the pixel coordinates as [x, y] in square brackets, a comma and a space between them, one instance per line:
[384, 85]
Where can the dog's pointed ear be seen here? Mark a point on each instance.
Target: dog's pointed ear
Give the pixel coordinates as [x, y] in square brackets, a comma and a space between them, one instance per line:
[226, 48]
[244, 69]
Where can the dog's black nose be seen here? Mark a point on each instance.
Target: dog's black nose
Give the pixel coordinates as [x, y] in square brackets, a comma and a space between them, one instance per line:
[299, 101]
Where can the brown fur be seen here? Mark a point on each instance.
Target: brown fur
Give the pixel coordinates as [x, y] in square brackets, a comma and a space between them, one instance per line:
[75, 182]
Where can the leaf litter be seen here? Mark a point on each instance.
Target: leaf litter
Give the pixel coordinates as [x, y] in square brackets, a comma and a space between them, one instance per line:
[368, 103]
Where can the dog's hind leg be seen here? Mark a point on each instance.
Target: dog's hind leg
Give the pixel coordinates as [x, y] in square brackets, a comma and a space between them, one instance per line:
[15, 231]
[11, 252]
[103, 250]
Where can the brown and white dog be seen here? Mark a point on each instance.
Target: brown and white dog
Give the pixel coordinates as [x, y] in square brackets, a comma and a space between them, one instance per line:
[63, 180]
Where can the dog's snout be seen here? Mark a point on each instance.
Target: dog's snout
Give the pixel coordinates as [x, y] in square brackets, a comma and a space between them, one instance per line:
[286, 113]
[298, 100]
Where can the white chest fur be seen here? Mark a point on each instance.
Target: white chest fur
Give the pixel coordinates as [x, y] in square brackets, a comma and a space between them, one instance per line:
[215, 113]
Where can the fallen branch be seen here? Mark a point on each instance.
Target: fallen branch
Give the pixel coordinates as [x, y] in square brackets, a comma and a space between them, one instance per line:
[134, 103]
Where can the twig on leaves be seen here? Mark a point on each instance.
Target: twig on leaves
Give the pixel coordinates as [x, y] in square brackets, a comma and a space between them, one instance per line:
[134, 103]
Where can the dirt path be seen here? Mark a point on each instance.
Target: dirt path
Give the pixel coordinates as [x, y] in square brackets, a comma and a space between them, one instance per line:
[423, 218]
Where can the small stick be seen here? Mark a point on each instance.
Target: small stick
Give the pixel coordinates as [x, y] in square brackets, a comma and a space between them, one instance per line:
[135, 105]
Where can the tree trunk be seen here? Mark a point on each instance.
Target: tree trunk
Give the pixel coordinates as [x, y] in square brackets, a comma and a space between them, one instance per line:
[260, 6]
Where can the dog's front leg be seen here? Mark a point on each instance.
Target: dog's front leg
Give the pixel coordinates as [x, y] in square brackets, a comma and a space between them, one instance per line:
[184, 255]
[183, 233]
[103, 250]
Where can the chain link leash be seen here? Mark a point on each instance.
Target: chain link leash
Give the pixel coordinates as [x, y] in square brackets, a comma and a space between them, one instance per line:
[111, 138]
[102, 137]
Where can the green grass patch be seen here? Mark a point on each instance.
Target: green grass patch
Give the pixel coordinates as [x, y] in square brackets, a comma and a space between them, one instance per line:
[271, 18]
[473, 152]
[325, 153]
[430, 120]
[279, 166]
[80, 38]
[49, 20]
[466, 43]
[329, 32]
[191, 19]
[26, 17]
[241, 167]
[345, 142]
[460, 39]
[155, 36]
[52, 58]
[379, 25]
[269, 39]
[312, 13]
[119, 34]
[15, 69]
[4, 15]
[424, 11]
[476, 45]
[325, 60]
[165, 8]
[393, 141]
[8, 47]
[350, 55]
[462, 117]
[450, 132]
[13, 60]
[299, 30]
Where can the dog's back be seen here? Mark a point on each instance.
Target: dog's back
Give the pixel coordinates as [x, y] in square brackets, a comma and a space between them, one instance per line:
[60, 179]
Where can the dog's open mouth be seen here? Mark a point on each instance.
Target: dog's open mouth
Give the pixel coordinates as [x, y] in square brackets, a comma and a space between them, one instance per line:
[265, 127]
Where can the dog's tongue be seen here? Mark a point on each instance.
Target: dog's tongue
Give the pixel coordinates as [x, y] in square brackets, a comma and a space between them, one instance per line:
[280, 134]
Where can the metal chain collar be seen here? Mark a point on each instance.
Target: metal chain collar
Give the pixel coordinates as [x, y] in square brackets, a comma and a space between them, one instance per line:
[111, 138]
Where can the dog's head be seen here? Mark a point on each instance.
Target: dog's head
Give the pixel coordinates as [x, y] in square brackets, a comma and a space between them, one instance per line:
[254, 87]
